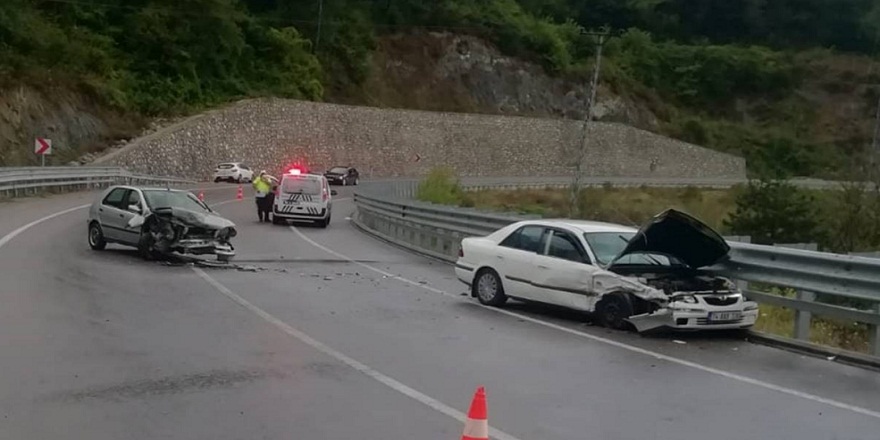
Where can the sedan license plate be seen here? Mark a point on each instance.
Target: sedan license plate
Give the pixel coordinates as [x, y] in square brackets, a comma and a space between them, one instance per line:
[291, 202]
[724, 316]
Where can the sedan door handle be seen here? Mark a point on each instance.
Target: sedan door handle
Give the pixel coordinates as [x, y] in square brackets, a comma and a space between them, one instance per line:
[499, 257]
[543, 267]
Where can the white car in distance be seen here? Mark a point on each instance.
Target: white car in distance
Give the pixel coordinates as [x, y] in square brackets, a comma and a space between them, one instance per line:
[651, 277]
[233, 172]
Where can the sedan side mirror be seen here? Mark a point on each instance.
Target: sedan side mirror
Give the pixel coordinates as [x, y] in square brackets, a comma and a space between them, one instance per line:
[333, 192]
[134, 208]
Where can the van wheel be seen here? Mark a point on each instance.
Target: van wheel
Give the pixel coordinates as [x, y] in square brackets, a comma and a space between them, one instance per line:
[488, 289]
[613, 310]
[323, 223]
[96, 237]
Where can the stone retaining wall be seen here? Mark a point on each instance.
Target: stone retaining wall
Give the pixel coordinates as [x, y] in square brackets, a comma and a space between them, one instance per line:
[272, 133]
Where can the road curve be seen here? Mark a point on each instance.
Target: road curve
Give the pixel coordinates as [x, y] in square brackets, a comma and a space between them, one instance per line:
[340, 336]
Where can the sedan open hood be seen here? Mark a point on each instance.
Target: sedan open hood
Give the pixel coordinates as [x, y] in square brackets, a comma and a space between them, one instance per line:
[677, 234]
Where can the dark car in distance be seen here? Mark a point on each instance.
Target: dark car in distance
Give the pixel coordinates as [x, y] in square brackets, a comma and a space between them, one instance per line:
[342, 176]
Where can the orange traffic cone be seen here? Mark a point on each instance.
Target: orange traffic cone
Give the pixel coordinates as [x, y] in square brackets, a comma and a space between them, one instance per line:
[201, 195]
[239, 195]
[476, 427]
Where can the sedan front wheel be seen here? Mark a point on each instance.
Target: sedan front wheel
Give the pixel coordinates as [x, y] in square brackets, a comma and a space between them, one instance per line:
[488, 289]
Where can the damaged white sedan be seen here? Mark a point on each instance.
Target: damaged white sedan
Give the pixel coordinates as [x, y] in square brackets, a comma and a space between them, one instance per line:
[652, 278]
[159, 222]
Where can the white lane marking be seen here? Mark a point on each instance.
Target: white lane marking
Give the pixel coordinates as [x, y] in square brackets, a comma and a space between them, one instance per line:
[6, 238]
[356, 365]
[632, 348]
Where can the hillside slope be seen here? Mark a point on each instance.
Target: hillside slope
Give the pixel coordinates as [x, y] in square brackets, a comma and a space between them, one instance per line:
[739, 76]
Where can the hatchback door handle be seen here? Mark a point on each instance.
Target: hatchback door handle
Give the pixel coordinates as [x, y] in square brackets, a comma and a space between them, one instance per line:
[499, 257]
[543, 267]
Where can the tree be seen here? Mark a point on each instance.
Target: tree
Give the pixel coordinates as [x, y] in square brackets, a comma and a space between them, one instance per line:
[774, 211]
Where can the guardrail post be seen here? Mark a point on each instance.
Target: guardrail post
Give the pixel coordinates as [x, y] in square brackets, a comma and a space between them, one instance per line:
[874, 335]
[803, 319]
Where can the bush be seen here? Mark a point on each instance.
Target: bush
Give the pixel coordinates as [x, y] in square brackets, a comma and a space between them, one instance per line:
[772, 211]
[440, 186]
[703, 75]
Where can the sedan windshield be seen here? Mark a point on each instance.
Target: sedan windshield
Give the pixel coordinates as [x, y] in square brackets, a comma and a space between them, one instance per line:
[339, 170]
[607, 245]
[158, 199]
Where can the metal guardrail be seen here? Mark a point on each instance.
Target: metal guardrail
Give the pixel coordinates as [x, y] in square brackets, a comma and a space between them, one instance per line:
[24, 181]
[387, 210]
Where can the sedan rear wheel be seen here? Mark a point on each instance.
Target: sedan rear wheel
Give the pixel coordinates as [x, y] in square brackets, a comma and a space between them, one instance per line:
[488, 289]
[96, 237]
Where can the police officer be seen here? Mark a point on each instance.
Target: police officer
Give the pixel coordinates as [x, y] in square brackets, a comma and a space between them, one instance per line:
[263, 194]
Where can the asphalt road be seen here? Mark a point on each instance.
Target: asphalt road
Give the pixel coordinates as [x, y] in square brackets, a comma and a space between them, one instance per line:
[340, 336]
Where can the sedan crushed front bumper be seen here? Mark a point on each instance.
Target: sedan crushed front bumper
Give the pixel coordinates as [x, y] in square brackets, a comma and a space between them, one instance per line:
[697, 319]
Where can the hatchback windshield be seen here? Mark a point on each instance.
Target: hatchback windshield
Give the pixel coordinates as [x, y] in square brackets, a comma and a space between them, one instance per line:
[158, 199]
[225, 166]
[301, 185]
[607, 245]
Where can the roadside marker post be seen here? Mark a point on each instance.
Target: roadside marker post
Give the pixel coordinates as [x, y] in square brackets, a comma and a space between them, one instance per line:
[42, 148]
[240, 194]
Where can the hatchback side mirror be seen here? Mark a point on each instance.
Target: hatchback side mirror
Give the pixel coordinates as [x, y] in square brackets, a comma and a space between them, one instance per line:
[134, 208]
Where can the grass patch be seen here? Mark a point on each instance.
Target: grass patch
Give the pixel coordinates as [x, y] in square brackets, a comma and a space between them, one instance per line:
[823, 331]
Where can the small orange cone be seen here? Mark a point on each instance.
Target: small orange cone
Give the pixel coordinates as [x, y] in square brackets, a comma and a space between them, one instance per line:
[239, 195]
[476, 427]
[201, 195]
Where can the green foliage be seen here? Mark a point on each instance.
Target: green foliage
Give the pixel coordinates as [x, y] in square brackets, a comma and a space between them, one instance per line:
[440, 186]
[156, 56]
[516, 30]
[702, 75]
[773, 211]
[853, 219]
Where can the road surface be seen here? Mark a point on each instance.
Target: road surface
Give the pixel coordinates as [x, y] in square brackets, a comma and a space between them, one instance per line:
[340, 336]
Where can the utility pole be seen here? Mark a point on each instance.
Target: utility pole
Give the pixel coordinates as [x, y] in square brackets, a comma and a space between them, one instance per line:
[320, 20]
[601, 37]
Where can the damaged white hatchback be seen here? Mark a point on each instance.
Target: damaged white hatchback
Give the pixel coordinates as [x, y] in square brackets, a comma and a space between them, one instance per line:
[159, 222]
[652, 278]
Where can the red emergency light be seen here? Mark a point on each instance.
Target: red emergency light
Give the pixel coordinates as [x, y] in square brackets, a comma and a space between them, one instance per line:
[295, 171]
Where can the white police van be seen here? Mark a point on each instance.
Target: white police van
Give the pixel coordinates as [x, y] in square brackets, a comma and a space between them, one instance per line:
[302, 197]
